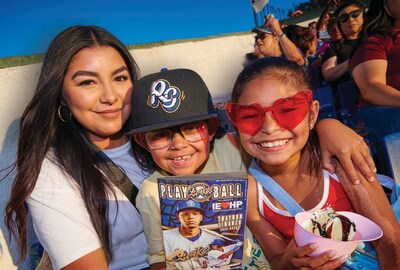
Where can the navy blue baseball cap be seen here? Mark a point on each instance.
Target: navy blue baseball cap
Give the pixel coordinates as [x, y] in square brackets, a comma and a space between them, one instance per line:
[170, 98]
[189, 204]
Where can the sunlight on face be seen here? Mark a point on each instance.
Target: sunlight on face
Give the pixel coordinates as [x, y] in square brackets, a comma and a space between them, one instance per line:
[97, 89]
[267, 45]
[352, 27]
[182, 157]
[272, 145]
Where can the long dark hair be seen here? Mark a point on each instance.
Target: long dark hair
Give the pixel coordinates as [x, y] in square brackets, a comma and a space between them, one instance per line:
[378, 18]
[286, 72]
[41, 130]
[377, 21]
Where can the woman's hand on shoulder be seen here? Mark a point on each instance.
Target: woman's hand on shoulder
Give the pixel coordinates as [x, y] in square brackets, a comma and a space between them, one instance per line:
[94, 260]
[296, 257]
[348, 147]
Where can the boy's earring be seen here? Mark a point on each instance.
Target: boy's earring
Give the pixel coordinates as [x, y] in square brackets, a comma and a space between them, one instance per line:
[64, 114]
[311, 126]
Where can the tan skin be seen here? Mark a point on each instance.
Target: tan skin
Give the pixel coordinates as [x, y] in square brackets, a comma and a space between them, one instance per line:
[289, 168]
[190, 220]
[370, 76]
[288, 47]
[331, 70]
[369, 200]
[351, 156]
[177, 139]
[97, 90]
[94, 260]
[356, 153]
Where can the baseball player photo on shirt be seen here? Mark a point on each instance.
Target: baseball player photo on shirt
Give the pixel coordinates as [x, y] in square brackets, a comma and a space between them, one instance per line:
[203, 218]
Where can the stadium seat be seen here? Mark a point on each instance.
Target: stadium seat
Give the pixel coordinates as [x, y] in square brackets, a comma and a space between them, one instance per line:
[327, 108]
[348, 95]
[392, 155]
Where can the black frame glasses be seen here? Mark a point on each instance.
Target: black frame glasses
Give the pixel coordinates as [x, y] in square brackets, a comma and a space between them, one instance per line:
[190, 132]
[346, 16]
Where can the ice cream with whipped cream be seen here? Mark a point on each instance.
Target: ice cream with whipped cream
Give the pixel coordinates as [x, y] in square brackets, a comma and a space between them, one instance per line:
[327, 223]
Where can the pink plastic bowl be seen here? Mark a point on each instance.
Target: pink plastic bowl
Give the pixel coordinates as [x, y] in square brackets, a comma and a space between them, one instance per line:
[366, 230]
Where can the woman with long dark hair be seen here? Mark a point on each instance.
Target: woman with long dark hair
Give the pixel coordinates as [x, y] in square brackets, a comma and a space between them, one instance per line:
[78, 113]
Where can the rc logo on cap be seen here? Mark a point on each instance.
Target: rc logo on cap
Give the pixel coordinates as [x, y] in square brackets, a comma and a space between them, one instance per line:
[164, 95]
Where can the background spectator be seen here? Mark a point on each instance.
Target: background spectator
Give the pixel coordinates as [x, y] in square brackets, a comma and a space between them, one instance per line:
[304, 38]
[278, 45]
[334, 35]
[322, 24]
[376, 70]
[335, 61]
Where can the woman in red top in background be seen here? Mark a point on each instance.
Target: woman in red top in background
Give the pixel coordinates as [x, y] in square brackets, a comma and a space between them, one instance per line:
[375, 65]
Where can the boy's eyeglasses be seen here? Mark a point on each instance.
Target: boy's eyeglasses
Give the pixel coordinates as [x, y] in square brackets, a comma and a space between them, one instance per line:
[162, 138]
[286, 112]
[346, 16]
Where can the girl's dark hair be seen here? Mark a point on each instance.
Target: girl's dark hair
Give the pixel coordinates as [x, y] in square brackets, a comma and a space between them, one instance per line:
[288, 73]
[361, 5]
[41, 130]
[145, 159]
[377, 20]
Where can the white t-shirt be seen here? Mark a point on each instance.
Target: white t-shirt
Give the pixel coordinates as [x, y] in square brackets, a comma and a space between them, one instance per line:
[63, 225]
[123, 157]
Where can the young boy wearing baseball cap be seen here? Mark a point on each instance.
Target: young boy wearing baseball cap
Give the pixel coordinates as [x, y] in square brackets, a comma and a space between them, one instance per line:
[177, 127]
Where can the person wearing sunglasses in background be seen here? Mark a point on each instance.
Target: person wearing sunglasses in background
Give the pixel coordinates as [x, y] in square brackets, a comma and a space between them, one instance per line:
[275, 115]
[335, 61]
[272, 41]
[375, 66]
[178, 131]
